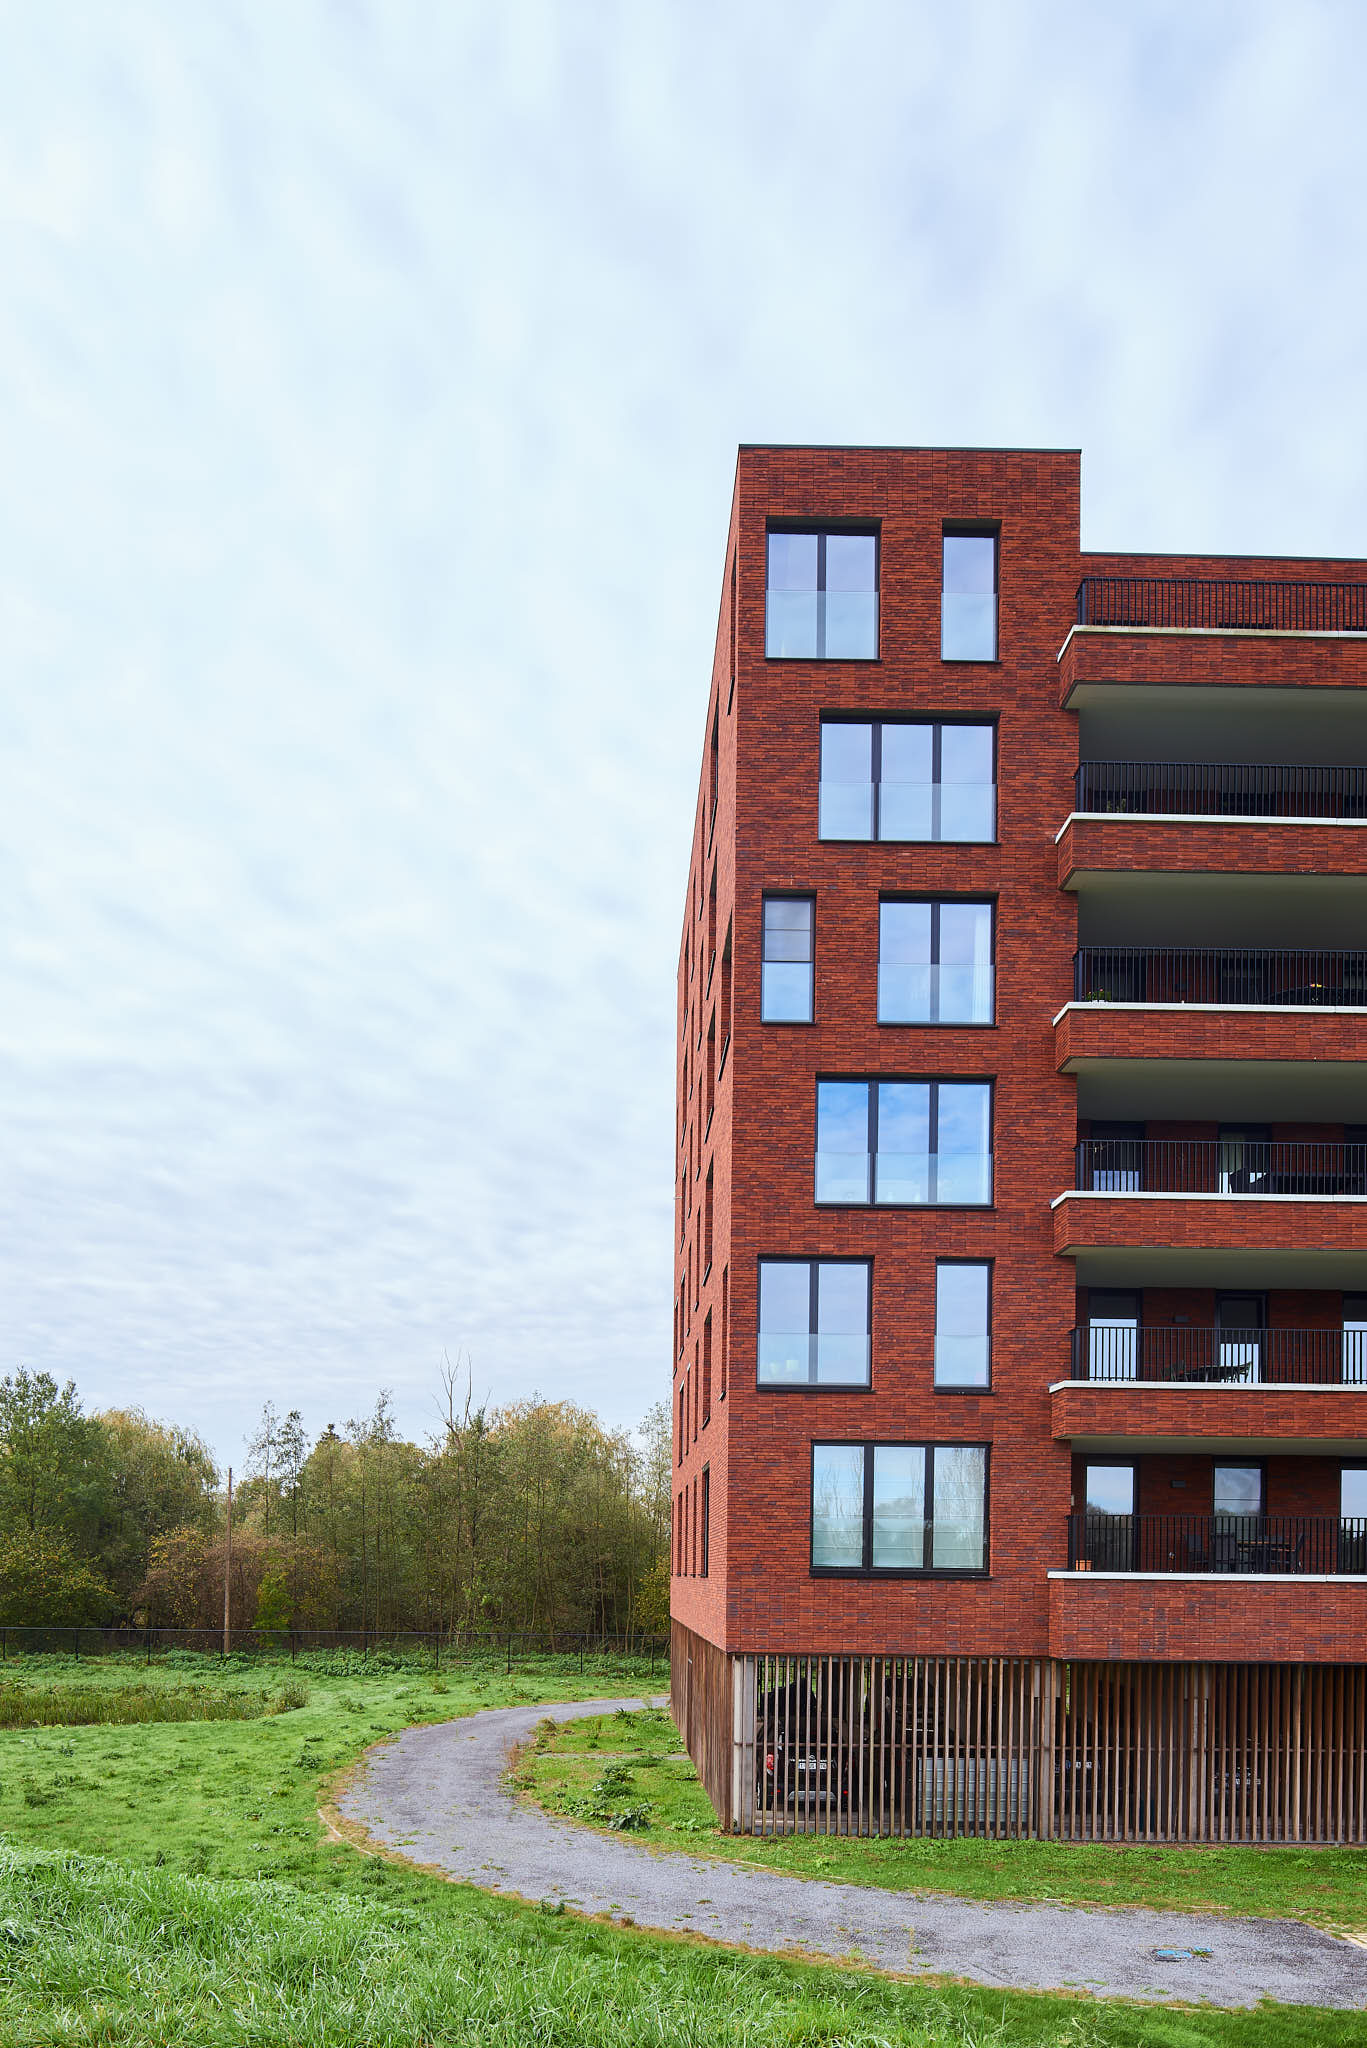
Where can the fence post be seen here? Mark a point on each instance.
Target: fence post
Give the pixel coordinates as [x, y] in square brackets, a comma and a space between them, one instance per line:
[438, 1652]
[510, 1652]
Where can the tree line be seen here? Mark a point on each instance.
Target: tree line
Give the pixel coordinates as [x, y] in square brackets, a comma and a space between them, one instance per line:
[531, 1516]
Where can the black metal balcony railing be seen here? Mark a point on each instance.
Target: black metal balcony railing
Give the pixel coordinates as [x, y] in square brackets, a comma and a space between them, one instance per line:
[1221, 1166]
[1175, 1354]
[1278, 979]
[1227, 603]
[1314, 1545]
[1220, 789]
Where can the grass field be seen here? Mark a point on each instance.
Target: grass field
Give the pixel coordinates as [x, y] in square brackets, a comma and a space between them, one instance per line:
[564, 1769]
[169, 1882]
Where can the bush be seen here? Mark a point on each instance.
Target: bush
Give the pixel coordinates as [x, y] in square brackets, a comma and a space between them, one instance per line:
[43, 1584]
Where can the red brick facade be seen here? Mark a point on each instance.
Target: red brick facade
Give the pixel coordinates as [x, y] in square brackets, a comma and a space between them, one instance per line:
[744, 1161]
[1303, 1621]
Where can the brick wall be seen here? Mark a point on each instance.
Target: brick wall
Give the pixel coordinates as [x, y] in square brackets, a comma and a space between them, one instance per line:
[1241, 1621]
[758, 1143]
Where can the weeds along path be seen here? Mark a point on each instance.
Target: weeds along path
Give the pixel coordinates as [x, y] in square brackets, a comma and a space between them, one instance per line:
[437, 1796]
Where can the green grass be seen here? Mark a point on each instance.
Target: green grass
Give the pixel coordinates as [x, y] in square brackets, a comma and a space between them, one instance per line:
[563, 1767]
[81, 1706]
[169, 1882]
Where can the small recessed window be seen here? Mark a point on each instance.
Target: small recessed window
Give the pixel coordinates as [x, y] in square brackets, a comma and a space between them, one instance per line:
[786, 993]
[821, 600]
[934, 963]
[968, 601]
[962, 1323]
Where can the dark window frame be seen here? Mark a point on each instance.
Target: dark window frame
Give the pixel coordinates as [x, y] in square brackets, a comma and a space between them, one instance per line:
[705, 1522]
[768, 896]
[975, 529]
[812, 1260]
[869, 1570]
[874, 837]
[934, 1082]
[936, 904]
[950, 1386]
[821, 529]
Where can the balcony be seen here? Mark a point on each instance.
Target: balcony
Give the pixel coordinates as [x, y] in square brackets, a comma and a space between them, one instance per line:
[1259, 1546]
[1223, 976]
[1209, 789]
[1168, 1354]
[1183, 632]
[1220, 1617]
[1222, 604]
[1176, 1389]
[1252, 1211]
[1221, 1166]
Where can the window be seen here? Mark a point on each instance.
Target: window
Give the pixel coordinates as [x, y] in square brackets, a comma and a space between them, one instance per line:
[1112, 1334]
[786, 991]
[1113, 1159]
[707, 1369]
[1354, 1339]
[1241, 1320]
[963, 1323]
[814, 1322]
[894, 779]
[934, 963]
[968, 601]
[1238, 1490]
[821, 600]
[904, 1141]
[1108, 1521]
[899, 1507]
[706, 1519]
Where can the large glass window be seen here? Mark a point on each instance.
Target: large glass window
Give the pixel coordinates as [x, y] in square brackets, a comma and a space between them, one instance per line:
[934, 963]
[968, 602]
[907, 780]
[904, 1141]
[821, 600]
[962, 1323]
[899, 1507]
[786, 992]
[814, 1322]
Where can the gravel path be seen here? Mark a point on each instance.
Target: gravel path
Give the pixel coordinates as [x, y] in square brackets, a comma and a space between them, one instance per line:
[437, 1796]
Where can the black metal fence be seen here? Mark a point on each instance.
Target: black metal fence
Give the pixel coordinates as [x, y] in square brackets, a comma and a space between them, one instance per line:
[1220, 789]
[1221, 1166]
[1264, 1545]
[1272, 978]
[1227, 603]
[441, 1649]
[1178, 1353]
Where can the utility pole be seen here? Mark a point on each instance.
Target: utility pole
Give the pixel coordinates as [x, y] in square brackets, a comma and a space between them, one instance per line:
[227, 1561]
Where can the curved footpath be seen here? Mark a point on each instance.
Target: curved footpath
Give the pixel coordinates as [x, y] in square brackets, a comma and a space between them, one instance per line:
[436, 1796]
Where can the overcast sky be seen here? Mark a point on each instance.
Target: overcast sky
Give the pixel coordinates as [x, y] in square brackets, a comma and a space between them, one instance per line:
[371, 381]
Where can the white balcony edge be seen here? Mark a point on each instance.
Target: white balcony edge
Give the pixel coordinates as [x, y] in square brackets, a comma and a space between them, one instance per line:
[1221, 1386]
[1201, 1195]
[1223, 1009]
[1217, 633]
[1221, 1578]
[1191, 818]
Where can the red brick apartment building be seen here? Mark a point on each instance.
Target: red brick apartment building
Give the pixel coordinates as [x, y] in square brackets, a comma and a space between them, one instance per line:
[1020, 1360]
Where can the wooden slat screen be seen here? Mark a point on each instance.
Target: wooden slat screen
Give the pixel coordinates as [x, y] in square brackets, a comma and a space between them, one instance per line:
[1017, 1747]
